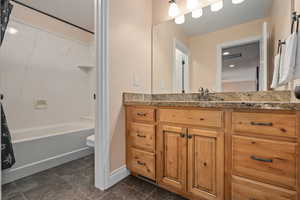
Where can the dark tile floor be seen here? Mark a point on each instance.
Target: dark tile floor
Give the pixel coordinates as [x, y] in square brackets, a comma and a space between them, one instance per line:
[75, 181]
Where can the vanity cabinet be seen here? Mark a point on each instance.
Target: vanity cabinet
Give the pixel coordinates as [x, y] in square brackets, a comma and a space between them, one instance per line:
[265, 155]
[216, 154]
[191, 161]
[205, 163]
[190, 152]
[172, 157]
[140, 142]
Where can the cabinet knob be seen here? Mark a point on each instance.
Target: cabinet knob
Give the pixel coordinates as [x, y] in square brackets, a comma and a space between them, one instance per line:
[190, 136]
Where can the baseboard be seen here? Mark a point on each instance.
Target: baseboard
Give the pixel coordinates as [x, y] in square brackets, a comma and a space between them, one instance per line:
[32, 168]
[117, 175]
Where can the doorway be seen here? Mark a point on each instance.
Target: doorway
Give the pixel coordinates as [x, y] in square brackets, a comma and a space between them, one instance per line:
[241, 68]
[181, 68]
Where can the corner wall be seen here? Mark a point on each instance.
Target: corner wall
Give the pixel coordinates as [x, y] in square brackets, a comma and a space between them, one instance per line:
[130, 30]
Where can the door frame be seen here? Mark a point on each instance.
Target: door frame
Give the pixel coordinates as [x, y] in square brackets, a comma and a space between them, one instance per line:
[177, 44]
[222, 46]
[102, 123]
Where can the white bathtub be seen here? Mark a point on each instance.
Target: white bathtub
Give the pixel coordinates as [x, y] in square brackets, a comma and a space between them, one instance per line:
[41, 148]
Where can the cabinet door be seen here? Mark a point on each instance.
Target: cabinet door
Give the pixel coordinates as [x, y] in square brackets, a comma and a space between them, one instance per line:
[171, 158]
[206, 164]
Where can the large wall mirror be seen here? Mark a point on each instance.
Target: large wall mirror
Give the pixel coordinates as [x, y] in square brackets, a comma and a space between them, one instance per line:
[229, 50]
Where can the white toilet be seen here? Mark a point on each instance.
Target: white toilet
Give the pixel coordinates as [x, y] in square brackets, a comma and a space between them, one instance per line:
[90, 141]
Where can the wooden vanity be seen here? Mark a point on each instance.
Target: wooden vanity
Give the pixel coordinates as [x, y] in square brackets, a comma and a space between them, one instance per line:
[216, 154]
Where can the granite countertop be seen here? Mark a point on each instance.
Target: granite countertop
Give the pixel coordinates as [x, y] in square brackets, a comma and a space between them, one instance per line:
[219, 104]
[271, 101]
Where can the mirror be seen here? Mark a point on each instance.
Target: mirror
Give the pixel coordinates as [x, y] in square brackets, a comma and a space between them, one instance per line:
[224, 51]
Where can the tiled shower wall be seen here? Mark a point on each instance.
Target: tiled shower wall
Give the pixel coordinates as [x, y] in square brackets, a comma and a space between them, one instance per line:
[38, 65]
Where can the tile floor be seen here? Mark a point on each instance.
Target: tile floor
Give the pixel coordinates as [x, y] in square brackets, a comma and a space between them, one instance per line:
[75, 181]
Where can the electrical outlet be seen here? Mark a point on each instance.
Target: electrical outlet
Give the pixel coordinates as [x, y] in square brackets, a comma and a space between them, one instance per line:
[136, 81]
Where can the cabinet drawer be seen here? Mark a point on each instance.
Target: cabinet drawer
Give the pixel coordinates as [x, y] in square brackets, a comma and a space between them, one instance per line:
[244, 189]
[266, 160]
[265, 123]
[142, 114]
[142, 136]
[142, 163]
[193, 117]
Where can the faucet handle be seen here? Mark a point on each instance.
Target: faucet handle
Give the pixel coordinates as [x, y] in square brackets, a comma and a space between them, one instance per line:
[201, 89]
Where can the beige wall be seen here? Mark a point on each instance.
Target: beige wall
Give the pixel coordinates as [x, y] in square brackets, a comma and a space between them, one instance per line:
[203, 50]
[33, 18]
[130, 24]
[163, 50]
[241, 86]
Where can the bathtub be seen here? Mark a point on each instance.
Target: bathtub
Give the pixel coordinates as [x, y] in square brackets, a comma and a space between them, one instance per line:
[41, 148]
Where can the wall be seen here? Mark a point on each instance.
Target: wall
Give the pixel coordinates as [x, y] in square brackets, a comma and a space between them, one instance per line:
[203, 50]
[49, 24]
[242, 86]
[41, 62]
[163, 50]
[130, 24]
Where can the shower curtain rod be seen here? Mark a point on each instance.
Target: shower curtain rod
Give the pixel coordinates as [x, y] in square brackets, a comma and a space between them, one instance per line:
[49, 15]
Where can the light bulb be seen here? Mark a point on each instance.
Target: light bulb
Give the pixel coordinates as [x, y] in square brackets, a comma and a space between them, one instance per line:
[216, 6]
[192, 4]
[197, 13]
[237, 1]
[180, 19]
[12, 30]
[173, 9]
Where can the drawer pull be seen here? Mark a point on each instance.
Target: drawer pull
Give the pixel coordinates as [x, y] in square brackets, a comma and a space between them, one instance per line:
[261, 159]
[261, 123]
[141, 136]
[141, 163]
[141, 114]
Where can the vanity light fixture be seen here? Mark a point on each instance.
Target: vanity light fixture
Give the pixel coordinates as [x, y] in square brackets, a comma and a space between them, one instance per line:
[12, 30]
[192, 4]
[197, 13]
[237, 1]
[173, 9]
[216, 6]
[180, 19]
[231, 66]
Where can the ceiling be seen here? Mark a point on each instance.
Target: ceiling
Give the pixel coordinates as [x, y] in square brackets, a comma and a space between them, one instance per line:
[78, 12]
[230, 15]
[81, 13]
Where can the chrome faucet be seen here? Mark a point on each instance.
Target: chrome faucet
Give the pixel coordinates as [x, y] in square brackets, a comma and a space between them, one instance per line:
[203, 91]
